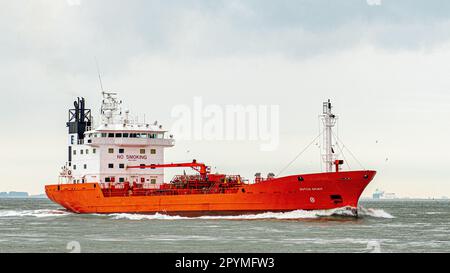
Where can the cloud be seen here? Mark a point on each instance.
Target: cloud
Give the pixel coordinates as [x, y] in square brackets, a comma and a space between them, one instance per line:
[115, 32]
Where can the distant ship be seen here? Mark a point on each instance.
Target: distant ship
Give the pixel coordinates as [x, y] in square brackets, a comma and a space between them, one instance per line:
[118, 167]
[379, 194]
[14, 194]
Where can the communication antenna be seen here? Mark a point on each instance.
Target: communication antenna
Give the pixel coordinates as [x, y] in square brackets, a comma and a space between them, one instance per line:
[99, 75]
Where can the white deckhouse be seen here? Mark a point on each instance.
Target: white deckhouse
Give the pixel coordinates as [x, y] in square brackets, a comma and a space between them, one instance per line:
[102, 154]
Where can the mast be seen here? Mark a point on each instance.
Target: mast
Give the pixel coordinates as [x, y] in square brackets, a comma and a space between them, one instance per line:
[328, 120]
[80, 121]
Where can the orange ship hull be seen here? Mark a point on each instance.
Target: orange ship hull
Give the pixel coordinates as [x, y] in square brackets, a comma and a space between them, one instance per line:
[305, 192]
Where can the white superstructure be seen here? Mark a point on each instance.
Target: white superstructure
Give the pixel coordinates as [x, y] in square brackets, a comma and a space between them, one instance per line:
[103, 154]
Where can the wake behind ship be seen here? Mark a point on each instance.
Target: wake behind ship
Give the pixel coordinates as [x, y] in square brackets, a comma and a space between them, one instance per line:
[118, 167]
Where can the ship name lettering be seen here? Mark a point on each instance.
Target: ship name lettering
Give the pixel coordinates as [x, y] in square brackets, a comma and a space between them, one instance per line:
[311, 189]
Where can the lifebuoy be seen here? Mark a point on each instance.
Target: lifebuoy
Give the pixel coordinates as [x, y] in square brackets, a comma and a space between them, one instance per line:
[69, 172]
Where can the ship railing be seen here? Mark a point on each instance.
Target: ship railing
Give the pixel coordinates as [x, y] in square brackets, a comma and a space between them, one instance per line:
[186, 178]
[149, 186]
[119, 186]
[262, 179]
[104, 185]
[234, 179]
[109, 185]
[131, 141]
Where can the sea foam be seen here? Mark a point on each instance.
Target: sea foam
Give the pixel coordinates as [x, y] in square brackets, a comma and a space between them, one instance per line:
[40, 213]
[291, 215]
[377, 213]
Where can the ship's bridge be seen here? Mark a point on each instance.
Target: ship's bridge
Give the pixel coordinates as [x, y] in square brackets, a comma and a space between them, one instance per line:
[128, 135]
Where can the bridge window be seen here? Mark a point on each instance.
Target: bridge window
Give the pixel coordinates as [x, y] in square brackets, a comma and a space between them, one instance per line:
[122, 166]
[111, 135]
[125, 134]
[133, 135]
[119, 135]
[111, 165]
[104, 134]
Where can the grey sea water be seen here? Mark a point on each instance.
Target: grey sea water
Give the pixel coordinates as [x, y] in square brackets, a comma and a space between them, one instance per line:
[38, 225]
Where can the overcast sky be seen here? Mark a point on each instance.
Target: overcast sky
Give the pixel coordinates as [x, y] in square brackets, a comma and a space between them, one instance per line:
[385, 64]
